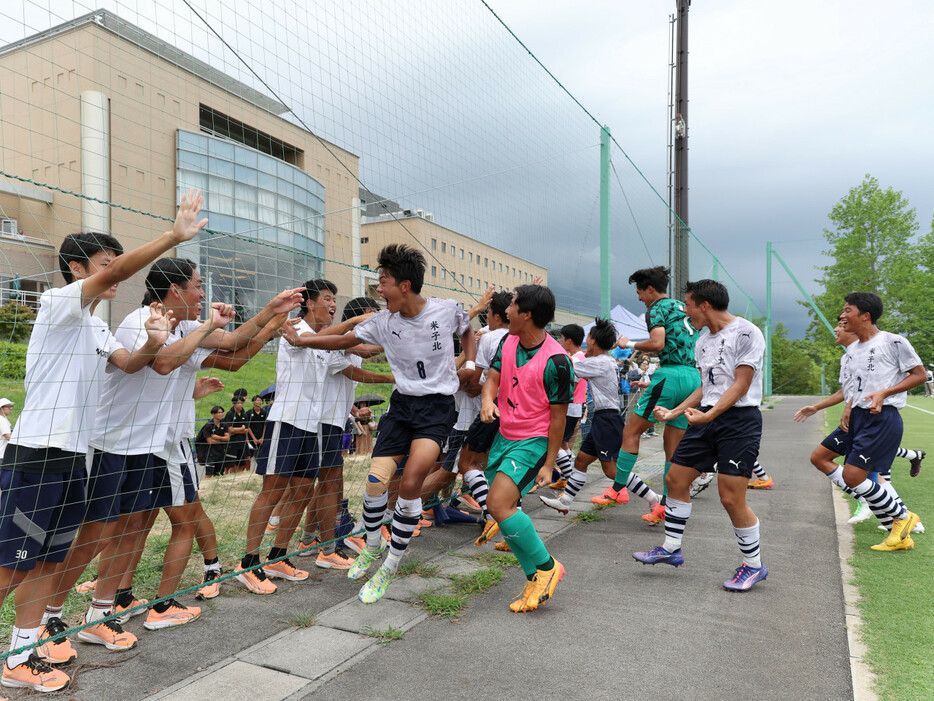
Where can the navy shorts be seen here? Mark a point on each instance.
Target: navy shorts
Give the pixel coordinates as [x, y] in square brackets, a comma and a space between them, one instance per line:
[837, 442]
[410, 418]
[330, 440]
[570, 425]
[288, 451]
[875, 439]
[605, 437]
[480, 435]
[452, 448]
[118, 484]
[39, 511]
[175, 481]
[731, 441]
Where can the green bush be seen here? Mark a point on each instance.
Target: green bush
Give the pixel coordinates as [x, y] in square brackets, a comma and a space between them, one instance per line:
[15, 322]
[13, 361]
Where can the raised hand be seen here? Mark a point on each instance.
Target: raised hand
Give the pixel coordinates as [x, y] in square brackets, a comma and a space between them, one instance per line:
[221, 315]
[187, 225]
[538, 280]
[159, 324]
[622, 342]
[205, 386]
[288, 331]
[286, 301]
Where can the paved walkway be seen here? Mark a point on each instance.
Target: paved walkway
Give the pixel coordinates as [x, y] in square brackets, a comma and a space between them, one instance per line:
[614, 628]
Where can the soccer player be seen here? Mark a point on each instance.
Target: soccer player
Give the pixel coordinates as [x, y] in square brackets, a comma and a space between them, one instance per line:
[531, 379]
[883, 366]
[288, 460]
[418, 337]
[672, 337]
[42, 479]
[602, 442]
[572, 336]
[726, 429]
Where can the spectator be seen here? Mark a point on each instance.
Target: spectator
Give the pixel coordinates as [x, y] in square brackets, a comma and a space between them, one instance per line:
[928, 384]
[211, 443]
[256, 421]
[362, 428]
[237, 421]
[6, 408]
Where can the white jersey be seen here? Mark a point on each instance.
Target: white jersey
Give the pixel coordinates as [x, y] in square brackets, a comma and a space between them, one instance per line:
[179, 406]
[600, 372]
[420, 349]
[847, 382]
[719, 354]
[334, 407]
[5, 428]
[576, 409]
[879, 363]
[65, 360]
[130, 419]
[486, 349]
[467, 409]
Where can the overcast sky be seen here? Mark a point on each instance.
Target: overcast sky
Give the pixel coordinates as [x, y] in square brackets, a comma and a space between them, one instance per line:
[791, 104]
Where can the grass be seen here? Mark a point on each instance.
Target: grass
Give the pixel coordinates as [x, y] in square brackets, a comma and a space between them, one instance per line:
[304, 618]
[896, 599]
[587, 517]
[442, 604]
[497, 559]
[477, 582]
[418, 568]
[384, 635]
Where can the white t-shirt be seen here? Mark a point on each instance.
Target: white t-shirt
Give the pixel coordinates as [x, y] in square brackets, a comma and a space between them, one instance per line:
[5, 428]
[879, 363]
[130, 419]
[336, 386]
[467, 409]
[486, 349]
[420, 349]
[180, 404]
[300, 375]
[600, 372]
[65, 359]
[719, 354]
[847, 383]
[577, 408]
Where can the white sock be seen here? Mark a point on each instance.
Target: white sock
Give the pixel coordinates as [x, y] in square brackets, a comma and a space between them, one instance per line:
[274, 521]
[51, 611]
[20, 637]
[748, 540]
[98, 609]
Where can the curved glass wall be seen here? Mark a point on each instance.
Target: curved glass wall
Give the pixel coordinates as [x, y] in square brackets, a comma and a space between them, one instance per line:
[274, 210]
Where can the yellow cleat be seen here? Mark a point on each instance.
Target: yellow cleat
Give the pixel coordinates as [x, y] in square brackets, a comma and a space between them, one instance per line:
[901, 529]
[502, 546]
[906, 544]
[490, 529]
[761, 484]
[520, 604]
[541, 590]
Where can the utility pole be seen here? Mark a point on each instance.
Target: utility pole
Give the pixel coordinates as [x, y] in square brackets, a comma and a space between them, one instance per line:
[605, 273]
[680, 239]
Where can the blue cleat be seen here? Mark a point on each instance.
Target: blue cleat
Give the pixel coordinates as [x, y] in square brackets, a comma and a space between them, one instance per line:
[745, 578]
[660, 555]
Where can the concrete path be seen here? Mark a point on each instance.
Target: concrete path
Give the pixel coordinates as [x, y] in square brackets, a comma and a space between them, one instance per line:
[615, 628]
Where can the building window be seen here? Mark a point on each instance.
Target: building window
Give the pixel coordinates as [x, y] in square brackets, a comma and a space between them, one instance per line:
[462, 278]
[444, 273]
[434, 244]
[219, 124]
[452, 249]
[434, 271]
[364, 239]
[462, 257]
[486, 263]
[470, 281]
[443, 246]
[470, 257]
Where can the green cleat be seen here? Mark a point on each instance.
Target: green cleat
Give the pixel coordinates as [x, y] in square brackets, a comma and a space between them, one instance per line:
[373, 591]
[362, 563]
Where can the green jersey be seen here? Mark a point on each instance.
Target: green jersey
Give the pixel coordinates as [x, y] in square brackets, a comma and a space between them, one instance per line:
[680, 334]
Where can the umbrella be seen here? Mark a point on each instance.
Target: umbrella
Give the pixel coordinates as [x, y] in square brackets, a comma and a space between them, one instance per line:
[369, 400]
[269, 390]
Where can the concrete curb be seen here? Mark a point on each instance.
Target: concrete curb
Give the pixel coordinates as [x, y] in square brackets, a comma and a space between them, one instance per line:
[864, 680]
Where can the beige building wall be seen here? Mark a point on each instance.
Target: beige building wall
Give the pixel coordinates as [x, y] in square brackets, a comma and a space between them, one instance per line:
[458, 266]
[150, 98]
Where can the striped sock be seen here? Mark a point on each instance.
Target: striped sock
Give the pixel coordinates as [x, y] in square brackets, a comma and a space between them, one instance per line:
[564, 462]
[908, 453]
[880, 500]
[837, 478]
[479, 487]
[404, 520]
[748, 539]
[677, 514]
[759, 472]
[576, 481]
[887, 520]
[641, 489]
[374, 509]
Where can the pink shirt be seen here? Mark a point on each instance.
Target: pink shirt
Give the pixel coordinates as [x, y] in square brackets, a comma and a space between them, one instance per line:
[580, 389]
[524, 408]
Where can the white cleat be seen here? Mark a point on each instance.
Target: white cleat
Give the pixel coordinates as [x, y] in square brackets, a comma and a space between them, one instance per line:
[863, 513]
[701, 483]
[556, 503]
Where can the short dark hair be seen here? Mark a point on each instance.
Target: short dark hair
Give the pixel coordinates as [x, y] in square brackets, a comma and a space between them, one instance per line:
[216, 408]
[603, 333]
[499, 303]
[866, 302]
[656, 278]
[403, 263]
[240, 393]
[255, 397]
[312, 290]
[574, 333]
[164, 273]
[80, 248]
[537, 299]
[710, 291]
[358, 306]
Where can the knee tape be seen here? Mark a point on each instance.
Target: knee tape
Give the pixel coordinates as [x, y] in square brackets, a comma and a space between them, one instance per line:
[381, 471]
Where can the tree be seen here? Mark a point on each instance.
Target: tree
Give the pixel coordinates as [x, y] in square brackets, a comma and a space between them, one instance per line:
[15, 322]
[794, 370]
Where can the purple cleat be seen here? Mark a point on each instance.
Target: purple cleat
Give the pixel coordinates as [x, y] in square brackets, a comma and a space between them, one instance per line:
[660, 555]
[745, 578]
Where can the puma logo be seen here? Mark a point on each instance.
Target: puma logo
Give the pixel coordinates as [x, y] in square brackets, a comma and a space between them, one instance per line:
[864, 459]
[734, 463]
[511, 403]
[396, 334]
[604, 452]
[837, 441]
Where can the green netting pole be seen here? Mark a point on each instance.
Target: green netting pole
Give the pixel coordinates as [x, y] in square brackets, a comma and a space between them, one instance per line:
[767, 365]
[823, 380]
[817, 311]
[715, 273]
[605, 222]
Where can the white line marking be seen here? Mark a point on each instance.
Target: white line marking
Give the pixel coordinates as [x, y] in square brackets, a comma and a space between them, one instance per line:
[920, 409]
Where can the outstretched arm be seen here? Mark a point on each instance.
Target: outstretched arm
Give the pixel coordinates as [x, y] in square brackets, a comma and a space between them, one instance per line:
[282, 303]
[157, 328]
[806, 411]
[360, 375]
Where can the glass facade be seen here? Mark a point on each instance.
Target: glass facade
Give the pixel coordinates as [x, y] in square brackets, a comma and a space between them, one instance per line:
[275, 209]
